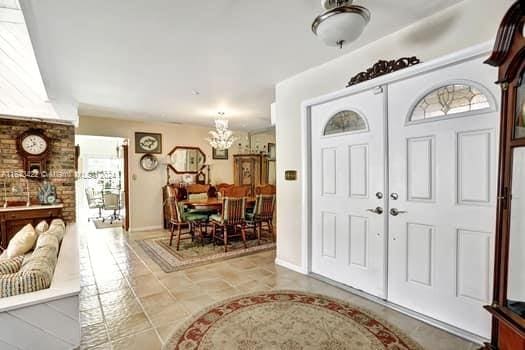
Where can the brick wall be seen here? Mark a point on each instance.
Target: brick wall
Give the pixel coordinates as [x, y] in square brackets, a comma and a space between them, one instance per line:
[61, 160]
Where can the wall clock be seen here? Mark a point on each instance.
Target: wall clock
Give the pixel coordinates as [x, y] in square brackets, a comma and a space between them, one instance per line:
[33, 146]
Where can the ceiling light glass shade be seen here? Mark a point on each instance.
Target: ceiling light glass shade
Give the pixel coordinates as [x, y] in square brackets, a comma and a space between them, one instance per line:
[341, 25]
[221, 138]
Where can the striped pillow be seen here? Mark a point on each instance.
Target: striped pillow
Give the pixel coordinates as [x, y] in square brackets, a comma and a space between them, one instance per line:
[21, 283]
[12, 265]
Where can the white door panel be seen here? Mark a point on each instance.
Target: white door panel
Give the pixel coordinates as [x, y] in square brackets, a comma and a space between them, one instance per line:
[348, 242]
[444, 172]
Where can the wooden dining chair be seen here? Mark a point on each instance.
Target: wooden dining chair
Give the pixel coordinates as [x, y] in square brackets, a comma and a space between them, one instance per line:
[179, 220]
[223, 186]
[197, 189]
[237, 191]
[232, 218]
[265, 189]
[262, 213]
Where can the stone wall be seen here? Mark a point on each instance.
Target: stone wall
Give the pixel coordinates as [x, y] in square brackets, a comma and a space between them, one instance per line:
[61, 165]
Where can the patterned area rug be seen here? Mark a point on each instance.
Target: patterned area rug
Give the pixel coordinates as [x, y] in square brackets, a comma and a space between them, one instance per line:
[193, 254]
[287, 320]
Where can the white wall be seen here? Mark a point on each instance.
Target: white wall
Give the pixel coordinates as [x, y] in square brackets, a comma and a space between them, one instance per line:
[146, 187]
[469, 23]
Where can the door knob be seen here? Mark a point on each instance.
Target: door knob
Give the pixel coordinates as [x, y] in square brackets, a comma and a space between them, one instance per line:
[396, 212]
[379, 195]
[394, 196]
[377, 210]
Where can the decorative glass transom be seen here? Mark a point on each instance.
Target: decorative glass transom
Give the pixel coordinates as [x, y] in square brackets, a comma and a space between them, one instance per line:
[449, 100]
[344, 121]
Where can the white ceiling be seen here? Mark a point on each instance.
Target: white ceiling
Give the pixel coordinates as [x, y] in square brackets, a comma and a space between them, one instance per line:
[141, 59]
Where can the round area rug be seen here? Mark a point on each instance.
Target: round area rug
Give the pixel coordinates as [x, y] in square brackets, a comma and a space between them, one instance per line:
[287, 320]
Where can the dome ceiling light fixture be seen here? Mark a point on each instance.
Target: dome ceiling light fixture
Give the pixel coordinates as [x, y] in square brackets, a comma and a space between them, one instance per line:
[341, 23]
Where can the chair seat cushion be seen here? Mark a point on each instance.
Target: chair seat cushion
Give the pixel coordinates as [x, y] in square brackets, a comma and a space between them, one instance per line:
[195, 217]
[216, 218]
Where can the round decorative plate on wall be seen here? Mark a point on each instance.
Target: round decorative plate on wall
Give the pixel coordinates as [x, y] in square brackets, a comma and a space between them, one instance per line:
[149, 162]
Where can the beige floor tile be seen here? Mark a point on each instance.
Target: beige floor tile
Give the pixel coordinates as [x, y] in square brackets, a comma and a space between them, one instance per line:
[116, 311]
[117, 296]
[110, 286]
[167, 331]
[146, 285]
[213, 285]
[148, 340]
[128, 325]
[155, 303]
[91, 317]
[139, 302]
[93, 335]
[88, 303]
[170, 314]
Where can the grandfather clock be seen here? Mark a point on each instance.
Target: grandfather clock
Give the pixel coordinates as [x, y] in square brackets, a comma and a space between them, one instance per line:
[508, 305]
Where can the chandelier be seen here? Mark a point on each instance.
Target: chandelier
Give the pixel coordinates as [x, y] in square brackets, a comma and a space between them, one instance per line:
[341, 23]
[221, 138]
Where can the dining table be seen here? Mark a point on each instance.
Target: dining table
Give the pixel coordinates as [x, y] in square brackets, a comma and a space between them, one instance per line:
[212, 203]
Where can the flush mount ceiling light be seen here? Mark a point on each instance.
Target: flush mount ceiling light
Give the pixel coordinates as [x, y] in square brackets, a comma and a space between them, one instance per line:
[221, 138]
[341, 23]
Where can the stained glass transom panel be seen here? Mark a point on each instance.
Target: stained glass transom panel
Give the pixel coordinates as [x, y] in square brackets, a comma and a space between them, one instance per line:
[345, 121]
[449, 100]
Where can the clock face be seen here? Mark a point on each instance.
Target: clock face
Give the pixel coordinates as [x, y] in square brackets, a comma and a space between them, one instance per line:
[34, 144]
[148, 143]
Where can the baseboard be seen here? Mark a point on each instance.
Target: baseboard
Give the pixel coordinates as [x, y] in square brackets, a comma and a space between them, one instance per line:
[429, 320]
[145, 228]
[290, 266]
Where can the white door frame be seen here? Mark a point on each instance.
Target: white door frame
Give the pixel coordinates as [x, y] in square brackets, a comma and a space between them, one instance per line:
[478, 51]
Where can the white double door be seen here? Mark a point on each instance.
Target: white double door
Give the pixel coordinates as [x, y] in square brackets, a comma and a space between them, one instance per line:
[430, 248]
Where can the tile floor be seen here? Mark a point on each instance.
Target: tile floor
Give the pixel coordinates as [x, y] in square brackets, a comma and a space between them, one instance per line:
[128, 302]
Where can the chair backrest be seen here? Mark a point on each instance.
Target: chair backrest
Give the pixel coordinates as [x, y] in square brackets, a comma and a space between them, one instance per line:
[197, 188]
[264, 206]
[90, 196]
[111, 200]
[221, 187]
[233, 210]
[198, 196]
[237, 191]
[175, 209]
[265, 189]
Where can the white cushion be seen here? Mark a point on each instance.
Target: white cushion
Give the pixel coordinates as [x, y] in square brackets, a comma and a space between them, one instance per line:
[42, 227]
[22, 242]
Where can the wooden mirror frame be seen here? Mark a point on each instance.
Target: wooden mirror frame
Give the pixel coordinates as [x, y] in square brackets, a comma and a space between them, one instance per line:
[187, 148]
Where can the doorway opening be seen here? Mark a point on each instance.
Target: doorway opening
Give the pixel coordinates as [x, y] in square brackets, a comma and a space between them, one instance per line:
[102, 186]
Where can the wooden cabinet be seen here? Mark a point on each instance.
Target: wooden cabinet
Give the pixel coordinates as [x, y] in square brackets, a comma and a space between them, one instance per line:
[508, 305]
[250, 169]
[13, 219]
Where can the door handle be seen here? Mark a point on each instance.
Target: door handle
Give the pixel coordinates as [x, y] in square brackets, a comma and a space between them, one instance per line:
[396, 212]
[377, 210]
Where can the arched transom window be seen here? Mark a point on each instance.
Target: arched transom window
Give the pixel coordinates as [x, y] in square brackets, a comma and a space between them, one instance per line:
[343, 122]
[450, 100]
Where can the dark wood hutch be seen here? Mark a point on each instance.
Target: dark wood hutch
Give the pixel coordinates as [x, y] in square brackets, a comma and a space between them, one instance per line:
[508, 305]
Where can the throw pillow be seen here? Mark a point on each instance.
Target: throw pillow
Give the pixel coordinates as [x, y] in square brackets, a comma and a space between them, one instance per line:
[22, 242]
[10, 265]
[42, 227]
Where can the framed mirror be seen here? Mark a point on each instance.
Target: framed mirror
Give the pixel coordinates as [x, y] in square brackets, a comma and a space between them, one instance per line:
[186, 160]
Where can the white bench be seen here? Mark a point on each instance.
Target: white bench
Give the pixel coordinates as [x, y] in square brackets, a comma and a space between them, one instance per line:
[48, 319]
